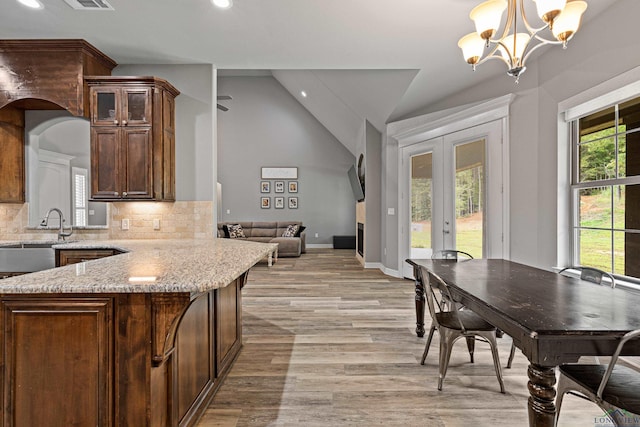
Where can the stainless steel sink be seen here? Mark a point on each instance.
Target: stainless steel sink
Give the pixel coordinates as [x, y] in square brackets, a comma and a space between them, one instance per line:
[26, 257]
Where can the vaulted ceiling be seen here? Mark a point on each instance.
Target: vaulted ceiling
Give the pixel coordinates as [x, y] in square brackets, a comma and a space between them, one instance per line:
[368, 59]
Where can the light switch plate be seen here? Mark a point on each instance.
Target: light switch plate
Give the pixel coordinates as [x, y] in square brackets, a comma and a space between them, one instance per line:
[156, 224]
[125, 223]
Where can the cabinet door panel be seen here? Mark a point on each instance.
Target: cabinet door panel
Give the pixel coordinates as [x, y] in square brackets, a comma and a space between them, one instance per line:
[105, 154]
[228, 311]
[57, 358]
[12, 158]
[137, 106]
[138, 167]
[105, 106]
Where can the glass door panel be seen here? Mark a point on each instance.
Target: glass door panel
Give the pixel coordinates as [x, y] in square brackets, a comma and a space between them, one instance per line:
[106, 107]
[469, 197]
[421, 204]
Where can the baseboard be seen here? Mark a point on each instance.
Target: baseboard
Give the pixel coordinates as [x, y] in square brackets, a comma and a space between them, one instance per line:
[319, 245]
[391, 272]
[373, 265]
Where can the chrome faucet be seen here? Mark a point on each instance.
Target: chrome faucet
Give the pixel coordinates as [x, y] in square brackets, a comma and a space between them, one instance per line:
[61, 232]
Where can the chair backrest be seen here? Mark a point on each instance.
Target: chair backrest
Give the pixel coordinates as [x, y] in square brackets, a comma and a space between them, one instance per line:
[438, 296]
[614, 359]
[452, 254]
[593, 275]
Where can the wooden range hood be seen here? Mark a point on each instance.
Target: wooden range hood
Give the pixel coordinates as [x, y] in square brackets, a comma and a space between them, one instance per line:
[49, 74]
[40, 75]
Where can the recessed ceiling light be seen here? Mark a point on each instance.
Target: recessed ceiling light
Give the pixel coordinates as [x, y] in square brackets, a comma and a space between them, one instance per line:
[303, 93]
[33, 4]
[223, 4]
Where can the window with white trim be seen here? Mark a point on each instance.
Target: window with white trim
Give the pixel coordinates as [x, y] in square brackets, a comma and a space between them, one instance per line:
[605, 189]
[79, 195]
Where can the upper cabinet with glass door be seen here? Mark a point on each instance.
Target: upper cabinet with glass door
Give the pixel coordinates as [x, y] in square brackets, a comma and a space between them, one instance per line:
[132, 138]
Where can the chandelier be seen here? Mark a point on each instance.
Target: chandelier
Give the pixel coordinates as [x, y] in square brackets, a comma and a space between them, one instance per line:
[561, 17]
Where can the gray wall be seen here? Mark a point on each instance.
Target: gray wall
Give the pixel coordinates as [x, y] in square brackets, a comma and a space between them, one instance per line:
[195, 171]
[266, 126]
[372, 200]
[601, 50]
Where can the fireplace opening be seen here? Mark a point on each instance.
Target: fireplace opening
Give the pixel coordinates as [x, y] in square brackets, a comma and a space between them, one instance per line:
[361, 239]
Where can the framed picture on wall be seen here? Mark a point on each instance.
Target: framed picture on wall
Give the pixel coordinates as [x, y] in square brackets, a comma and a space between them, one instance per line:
[265, 186]
[278, 202]
[293, 203]
[279, 186]
[293, 186]
[265, 202]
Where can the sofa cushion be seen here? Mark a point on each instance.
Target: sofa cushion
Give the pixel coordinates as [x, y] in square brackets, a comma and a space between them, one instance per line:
[288, 246]
[291, 230]
[263, 229]
[235, 231]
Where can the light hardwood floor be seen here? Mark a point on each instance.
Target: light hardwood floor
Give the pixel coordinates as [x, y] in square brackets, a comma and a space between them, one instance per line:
[327, 343]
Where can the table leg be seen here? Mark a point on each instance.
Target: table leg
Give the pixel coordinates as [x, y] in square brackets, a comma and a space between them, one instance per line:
[270, 259]
[420, 300]
[542, 409]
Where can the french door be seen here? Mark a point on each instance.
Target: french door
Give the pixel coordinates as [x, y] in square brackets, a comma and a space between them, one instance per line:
[452, 194]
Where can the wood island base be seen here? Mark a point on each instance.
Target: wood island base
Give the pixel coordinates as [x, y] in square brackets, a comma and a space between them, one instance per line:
[129, 359]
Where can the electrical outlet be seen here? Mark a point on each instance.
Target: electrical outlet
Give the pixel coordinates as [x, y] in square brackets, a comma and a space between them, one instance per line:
[317, 235]
[156, 224]
[228, 211]
[125, 223]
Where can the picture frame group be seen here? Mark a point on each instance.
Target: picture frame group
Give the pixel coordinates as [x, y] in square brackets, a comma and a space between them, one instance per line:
[279, 187]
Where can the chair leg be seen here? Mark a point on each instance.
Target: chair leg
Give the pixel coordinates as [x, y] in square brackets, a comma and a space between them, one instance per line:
[471, 345]
[446, 345]
[512, 353]
[491, 338]
[426, 347]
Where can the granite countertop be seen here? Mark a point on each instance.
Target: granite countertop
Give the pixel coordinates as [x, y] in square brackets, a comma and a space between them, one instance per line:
[197, 265]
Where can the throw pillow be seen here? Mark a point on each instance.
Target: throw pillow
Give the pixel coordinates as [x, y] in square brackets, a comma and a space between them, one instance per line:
[235, 231]
[225, 229]
[300, 230]
[291, 230]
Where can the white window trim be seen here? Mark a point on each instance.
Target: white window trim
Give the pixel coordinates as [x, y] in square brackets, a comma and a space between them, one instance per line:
[616, 90]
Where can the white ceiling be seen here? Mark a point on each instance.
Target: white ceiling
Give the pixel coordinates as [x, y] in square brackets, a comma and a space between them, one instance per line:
[412, 37]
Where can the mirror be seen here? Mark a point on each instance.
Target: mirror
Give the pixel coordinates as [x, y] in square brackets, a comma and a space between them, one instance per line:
[59, 169]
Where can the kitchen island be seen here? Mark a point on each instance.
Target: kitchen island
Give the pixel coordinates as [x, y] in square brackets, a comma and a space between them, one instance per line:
[143, 338]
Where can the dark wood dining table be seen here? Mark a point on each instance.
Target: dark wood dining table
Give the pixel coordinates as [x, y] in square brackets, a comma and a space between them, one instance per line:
[553, 319]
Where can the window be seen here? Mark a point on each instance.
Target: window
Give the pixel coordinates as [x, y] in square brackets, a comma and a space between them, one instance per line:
[605, 189]
[79, 195]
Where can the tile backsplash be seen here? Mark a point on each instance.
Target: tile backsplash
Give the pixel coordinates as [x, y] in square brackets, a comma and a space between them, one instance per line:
[177, 220]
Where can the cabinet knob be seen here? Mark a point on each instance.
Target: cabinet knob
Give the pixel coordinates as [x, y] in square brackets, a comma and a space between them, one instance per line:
[115, 122]
[124, 193]
[124, 123]
[116, 194]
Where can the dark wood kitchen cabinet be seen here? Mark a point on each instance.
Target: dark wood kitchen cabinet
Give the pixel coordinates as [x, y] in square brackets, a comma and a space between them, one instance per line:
[132, 138]
[12, 158]
[111, 360]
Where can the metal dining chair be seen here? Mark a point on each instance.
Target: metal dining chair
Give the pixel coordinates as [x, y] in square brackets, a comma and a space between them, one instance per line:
[614, 388]
[454, 254]
[453, 324]
[591, 274]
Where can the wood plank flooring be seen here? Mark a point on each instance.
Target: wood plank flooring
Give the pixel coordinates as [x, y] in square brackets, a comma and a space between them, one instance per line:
[327, 343]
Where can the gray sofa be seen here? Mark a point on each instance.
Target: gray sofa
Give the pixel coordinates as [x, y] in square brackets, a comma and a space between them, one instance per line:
[270, 232]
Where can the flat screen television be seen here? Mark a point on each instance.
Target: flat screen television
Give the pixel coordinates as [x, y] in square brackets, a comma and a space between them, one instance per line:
[358, 194]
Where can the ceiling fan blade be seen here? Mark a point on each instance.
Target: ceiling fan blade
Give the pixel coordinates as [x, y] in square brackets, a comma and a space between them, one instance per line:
[222, 107]
[223, 97]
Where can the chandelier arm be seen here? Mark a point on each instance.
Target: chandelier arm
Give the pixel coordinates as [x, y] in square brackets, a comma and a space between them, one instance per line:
[547, 41]
[488, 57]
[533, 49]
[511, 16]
[530, 28]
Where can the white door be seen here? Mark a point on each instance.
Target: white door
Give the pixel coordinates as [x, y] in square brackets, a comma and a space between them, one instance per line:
[454, 200]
